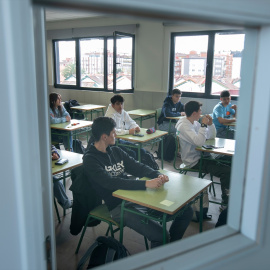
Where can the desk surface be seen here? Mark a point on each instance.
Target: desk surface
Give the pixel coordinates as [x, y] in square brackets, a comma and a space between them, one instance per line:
[175, 117]
[145, 138]
[69, 127]
[228, 146]
[170, 198]
[74, 160]
[232, 124]
[141, 112]
[88, 107]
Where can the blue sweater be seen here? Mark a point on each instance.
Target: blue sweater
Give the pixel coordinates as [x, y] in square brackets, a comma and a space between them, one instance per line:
[169, 109]
[57, 118]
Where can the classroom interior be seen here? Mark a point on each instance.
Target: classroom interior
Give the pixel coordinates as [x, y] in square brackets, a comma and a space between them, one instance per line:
[243, 244]
[152, 61]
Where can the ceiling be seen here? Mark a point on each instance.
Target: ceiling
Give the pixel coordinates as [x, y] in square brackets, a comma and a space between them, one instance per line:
[64, 14]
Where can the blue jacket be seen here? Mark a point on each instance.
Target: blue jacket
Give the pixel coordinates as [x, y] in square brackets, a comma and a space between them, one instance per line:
[169, 109]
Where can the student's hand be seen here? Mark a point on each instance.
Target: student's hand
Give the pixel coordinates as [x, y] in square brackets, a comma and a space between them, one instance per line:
[164, 178]
[210, 122]
[132, 131]
[68, 118]
[154, 183]
[55, 156]
[205, 120]
[234, 107]
[137, 129]
[183, 113]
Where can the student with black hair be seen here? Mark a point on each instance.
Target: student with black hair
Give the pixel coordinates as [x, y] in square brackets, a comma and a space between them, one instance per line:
[172, 107]
[106, 166]
[193, 134]
[224, 113]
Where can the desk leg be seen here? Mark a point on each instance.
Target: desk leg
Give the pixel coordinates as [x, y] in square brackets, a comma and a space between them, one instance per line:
[162, 152]
[102, 111]
[139, 152]
[201, 212]
[170, 123]
[122, 222]
[156, 120]
[64, 182]
[141, 121]
[201, 163]
[164, 228]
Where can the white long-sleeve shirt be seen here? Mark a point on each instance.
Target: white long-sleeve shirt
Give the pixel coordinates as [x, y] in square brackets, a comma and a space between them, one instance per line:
[123, 121]
[192, 136]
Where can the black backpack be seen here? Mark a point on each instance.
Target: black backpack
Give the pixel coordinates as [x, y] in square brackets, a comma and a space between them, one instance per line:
[168, 148]
[104, 250]
[78, 147]
[75, 114]
[149, 160]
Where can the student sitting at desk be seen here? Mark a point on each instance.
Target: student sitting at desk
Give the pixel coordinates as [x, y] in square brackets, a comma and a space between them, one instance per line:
[172, 107]
[192, 134]
[222, 114]
[124, 123]
[107, 166]
[58, 187]
[58, 114]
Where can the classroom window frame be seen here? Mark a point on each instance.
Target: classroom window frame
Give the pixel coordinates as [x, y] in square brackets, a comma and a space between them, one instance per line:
[78, 86]
[209, 61]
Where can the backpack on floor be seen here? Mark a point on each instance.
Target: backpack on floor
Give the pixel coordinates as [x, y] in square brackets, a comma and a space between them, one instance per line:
[149, 160]
[168, 148]
[104, 250]
[78, 147]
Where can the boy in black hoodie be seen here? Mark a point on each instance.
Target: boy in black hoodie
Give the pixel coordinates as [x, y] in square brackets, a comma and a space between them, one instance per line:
[172, 107]
[106, 166]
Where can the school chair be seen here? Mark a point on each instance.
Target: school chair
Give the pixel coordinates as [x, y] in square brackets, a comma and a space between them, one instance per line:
[102, 213]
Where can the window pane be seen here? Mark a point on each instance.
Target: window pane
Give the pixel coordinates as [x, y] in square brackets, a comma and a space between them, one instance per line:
[123, 63]
[227, 63]
[190, 63]
[65, 62]
[110, 63]
[92, 63]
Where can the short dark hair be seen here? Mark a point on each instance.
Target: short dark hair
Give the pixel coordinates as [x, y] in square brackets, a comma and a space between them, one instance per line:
[225, 93]
[102, 125]
[176, 91]
[192, 106]
[116, 98]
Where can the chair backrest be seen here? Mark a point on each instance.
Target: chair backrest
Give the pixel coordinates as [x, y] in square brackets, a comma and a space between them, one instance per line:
[158, 112]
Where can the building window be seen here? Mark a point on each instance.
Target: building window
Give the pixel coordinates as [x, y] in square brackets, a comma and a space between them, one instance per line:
[205, 63]
[102, 63]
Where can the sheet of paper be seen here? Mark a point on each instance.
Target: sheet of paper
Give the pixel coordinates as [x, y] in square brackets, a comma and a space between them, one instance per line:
[167, 202]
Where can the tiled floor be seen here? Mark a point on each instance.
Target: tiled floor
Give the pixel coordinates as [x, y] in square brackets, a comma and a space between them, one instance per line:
[66, 243]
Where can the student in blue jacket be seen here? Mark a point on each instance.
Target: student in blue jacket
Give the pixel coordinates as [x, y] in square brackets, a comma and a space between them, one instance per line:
[172, 107]
[58, 114]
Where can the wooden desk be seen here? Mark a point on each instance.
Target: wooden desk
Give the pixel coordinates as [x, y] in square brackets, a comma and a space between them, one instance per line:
[145, 140]
[142, 114]
[173, 118]
[227, 146]
[74, 160]
[169, 199]
[80, 127]
[227, 149]
[90, 108]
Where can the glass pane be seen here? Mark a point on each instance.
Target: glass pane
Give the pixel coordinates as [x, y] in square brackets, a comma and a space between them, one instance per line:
[110, 63]
[65, 62]
[227, 63]
[124, 63]
[190, 63]
[92, 63]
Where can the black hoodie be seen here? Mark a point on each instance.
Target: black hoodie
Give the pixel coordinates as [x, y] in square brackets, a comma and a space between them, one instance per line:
[169, 109]
[107, 173]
